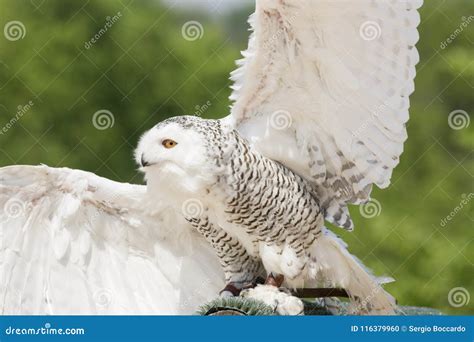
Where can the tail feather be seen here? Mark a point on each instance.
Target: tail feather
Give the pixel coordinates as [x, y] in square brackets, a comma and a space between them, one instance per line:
[335, 266]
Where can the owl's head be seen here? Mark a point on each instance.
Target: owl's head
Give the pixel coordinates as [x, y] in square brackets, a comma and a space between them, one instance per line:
[179, 141]
[176, 149]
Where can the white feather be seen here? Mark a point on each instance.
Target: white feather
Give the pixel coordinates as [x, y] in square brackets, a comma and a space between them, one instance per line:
[333, 265]
[343, 71]
[75, 243]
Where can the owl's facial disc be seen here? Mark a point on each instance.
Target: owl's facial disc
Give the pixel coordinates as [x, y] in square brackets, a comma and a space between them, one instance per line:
[170, 146]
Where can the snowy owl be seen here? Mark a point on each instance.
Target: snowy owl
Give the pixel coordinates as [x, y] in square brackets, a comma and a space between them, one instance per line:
[320, 104]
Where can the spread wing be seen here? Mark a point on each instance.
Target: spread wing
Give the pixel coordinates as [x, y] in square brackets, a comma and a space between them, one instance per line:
[324, 89]
[74, 243]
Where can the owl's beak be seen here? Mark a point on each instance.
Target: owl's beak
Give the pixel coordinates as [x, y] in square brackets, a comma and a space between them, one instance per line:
[143, 161]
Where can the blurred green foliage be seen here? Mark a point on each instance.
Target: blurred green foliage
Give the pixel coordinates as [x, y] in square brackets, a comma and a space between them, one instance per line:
[142, 70]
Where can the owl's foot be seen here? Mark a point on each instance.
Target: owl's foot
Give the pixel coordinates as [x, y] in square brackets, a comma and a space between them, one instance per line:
[233, 289]
[283, 303]
[275, 280]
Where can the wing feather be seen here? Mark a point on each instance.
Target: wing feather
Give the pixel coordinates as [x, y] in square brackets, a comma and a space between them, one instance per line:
[75, 243]
[340, 73]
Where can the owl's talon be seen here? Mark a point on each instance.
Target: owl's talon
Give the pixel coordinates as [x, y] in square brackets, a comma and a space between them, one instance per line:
[233, 289]
[275, 280]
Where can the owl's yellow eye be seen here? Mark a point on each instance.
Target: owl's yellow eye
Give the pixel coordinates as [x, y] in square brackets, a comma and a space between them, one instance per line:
[168, 143]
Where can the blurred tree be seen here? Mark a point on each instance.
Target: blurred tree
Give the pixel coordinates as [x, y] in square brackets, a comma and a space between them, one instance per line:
[80, 58]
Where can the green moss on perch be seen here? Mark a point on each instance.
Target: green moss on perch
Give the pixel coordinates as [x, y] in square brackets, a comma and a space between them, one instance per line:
[238, 306]
[235, 306]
